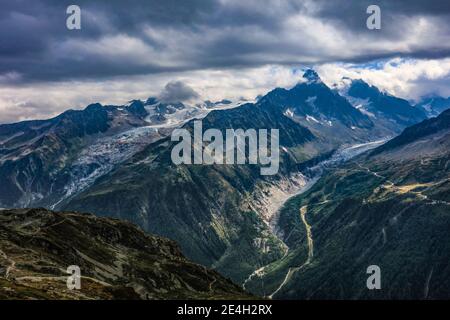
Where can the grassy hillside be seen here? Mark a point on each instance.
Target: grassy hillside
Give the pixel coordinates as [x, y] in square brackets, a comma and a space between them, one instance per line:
[117, 260]
[390, 208]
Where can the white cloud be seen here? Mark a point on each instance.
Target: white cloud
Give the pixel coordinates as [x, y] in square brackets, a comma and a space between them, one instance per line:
[49, 99]
[407, 78]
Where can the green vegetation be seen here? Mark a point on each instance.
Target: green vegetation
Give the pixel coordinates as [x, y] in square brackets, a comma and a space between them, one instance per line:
[390, 208]
[117, 260]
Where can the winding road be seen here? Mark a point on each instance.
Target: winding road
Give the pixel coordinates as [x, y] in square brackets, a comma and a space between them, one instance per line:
[259, 272]
[291, 271]
[316, 171]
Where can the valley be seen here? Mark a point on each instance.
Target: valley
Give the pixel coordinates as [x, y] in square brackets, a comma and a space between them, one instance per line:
[266, 233]
[236, 219]
[272, 151]
[371, 210]
[291, 271]
[278, 197]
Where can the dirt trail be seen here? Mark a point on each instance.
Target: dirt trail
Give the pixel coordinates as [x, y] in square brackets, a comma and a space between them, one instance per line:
[316, 171]
[12, 263]
[259, 272]
[291, 271]
[410, 188]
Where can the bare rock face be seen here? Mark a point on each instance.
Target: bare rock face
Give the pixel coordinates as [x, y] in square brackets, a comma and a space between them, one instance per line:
[116, 259]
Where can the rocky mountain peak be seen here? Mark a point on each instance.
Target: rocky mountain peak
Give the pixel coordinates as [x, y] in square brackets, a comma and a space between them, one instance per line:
[311, 76]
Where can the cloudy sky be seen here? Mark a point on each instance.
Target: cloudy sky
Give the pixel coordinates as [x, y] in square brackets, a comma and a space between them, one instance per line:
[211, 49]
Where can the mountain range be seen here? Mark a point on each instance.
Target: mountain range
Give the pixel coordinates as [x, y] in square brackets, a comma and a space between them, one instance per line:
[114, 161]
[434, 105]
[371, 101]
[211, 210]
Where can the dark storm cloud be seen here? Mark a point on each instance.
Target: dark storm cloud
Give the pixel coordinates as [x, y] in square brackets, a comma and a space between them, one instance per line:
[177, 91]
[120, 38]
[348, 14]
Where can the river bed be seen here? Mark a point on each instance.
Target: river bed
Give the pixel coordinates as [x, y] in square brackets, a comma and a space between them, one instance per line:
[300, 183]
